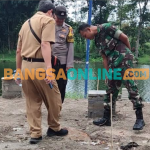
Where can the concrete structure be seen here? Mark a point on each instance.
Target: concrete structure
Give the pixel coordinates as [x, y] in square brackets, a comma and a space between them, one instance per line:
[10, 89]
[95, 104]
[125, 94]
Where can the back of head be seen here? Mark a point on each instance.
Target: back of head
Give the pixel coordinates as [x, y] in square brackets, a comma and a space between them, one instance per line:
[83, 27]
[45, 6]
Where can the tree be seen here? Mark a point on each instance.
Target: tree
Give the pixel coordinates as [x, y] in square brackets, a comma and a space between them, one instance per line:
[12, 17]
[142, 13]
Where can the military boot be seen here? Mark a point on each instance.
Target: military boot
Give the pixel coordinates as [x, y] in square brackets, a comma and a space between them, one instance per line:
[139, 124]
[105, 120]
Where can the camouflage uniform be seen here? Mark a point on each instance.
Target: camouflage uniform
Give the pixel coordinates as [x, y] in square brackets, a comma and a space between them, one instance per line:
[118, 56]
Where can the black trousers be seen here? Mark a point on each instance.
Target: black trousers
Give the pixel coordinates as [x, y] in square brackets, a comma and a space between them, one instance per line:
[61, 82]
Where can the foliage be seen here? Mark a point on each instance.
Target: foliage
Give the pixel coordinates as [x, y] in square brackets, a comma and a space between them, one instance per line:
[74, 95]
[11, 18]
[146, 48]
[98, 59]
[125, 14]
[8, 57]
[144, 60]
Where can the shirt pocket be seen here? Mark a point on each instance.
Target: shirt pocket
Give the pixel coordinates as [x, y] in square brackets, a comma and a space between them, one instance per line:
[62, 37]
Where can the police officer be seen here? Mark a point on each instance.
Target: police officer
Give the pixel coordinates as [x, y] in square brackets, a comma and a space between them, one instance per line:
[115, 49]
[63, 48]
[35, 56]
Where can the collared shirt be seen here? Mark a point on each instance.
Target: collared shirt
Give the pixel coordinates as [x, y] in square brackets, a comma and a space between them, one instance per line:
[42, 25]
[63, 47]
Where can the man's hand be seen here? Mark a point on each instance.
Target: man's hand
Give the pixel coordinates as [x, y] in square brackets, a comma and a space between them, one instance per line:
[106, 80]
[18, 81]
[49, 76]
[48, 80]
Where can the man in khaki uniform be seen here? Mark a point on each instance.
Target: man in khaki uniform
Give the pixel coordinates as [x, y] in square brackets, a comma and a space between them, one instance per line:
[35, 56]
[63, 47]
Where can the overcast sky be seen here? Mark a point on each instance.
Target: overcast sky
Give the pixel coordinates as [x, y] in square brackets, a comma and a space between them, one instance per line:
[76, 7]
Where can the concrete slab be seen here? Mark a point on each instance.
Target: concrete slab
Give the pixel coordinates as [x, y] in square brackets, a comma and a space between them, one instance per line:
[96, 92]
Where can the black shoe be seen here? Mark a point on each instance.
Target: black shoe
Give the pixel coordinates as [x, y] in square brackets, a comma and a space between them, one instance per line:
[105, 120]
[51, 132]
[139, 124]
[35, 140]
[102, 122]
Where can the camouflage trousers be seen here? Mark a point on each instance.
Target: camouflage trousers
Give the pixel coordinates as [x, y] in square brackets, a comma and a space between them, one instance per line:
[113, 87]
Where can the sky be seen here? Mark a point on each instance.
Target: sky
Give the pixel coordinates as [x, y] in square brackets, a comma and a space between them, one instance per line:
[76, 6]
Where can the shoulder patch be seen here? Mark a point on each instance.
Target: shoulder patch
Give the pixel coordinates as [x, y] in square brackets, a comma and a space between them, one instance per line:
[70, 37]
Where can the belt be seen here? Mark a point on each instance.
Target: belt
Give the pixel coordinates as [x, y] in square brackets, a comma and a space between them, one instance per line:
[33, 59]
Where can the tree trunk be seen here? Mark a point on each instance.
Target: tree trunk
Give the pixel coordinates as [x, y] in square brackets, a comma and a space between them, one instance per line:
[142, 11]
[120, 5]
[138, 39]
[8, 38]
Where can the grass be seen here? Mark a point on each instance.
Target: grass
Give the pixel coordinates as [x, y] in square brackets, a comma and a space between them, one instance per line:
[8, 57]
[99, 59]
[74, 95]
[144, 60]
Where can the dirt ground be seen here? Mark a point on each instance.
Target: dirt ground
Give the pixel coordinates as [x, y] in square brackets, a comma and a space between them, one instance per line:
[83, 135]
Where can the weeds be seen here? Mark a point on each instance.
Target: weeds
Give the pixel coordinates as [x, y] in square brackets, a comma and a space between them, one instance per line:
[74, 95]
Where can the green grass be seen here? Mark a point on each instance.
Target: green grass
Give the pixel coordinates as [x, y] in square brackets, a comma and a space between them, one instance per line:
[8, 57]
[144, 60]
[74, 95]
[99, 59]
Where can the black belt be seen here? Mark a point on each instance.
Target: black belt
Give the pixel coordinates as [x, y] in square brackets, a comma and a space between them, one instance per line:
[33, 59]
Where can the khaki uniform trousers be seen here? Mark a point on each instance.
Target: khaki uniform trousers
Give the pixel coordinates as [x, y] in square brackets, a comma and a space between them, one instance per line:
[35, 92]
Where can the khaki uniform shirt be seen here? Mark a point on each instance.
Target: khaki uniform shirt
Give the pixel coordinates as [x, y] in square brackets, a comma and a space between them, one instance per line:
[42, 25]
[63, 47]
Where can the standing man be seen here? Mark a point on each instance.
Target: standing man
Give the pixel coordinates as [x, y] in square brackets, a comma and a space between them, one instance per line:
[36, 56]
[115, 50]
[63, 48]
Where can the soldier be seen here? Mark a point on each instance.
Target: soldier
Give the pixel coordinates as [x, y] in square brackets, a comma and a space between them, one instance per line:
[63, 48]
[115, 50]
[35, 56]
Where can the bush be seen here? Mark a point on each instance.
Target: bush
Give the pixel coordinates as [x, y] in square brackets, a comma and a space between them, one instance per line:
[146, 48]
[145, 59]
[141, 52]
